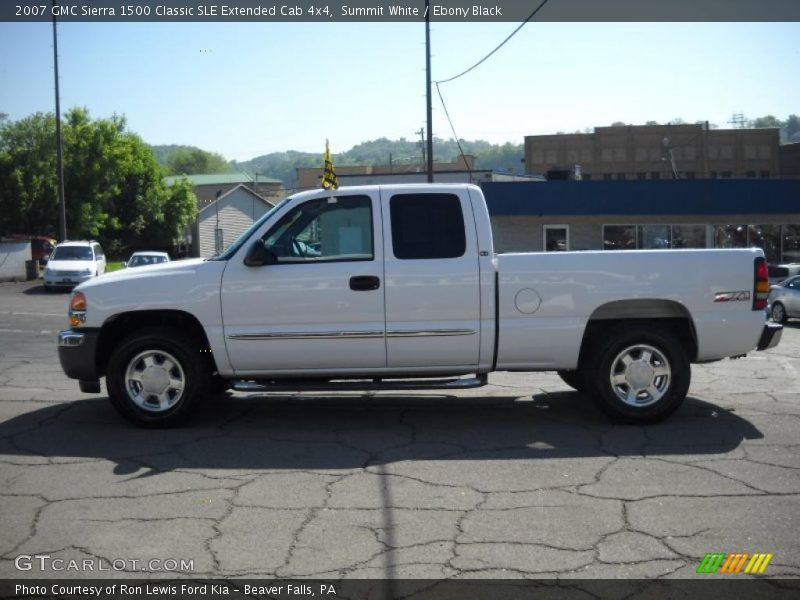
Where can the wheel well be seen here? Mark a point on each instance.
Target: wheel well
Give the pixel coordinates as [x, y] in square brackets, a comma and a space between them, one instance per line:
[609, 318]
[116, 328]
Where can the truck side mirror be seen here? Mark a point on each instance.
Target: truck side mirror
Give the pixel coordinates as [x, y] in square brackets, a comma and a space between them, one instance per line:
[258, 255]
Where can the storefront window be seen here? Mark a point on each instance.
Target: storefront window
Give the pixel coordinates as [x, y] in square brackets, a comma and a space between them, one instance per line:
[688, 236]
[791, 243]
[654, 237]
[619, 237]
[768, 238]
[730, 236]
[556, 238]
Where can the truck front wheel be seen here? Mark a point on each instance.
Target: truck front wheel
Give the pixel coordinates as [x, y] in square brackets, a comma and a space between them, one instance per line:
[155, 377]
[574, 379]
[641, 376]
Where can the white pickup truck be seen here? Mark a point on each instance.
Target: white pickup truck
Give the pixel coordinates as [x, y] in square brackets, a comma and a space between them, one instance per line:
[399, 287]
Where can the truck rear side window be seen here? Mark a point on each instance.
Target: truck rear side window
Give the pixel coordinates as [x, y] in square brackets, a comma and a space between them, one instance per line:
[427, 226]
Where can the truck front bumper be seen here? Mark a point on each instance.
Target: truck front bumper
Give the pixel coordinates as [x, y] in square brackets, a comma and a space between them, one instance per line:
[77, 351]
[770, 336]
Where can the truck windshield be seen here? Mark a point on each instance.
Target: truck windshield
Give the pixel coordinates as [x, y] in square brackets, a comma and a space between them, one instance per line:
[234, 247]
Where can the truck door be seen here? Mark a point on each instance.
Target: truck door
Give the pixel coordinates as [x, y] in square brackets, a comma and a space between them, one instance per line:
[431, 280]
[320, 307]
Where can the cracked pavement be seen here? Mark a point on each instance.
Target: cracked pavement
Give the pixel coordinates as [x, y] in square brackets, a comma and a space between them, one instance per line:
[522, 478]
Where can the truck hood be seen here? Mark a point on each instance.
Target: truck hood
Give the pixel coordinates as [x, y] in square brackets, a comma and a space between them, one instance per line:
[148, 272]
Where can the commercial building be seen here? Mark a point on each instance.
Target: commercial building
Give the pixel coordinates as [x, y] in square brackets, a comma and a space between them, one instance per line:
[641, 152]
[617, 215]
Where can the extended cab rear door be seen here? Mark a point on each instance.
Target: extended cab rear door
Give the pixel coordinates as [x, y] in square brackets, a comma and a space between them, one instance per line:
[431, 279]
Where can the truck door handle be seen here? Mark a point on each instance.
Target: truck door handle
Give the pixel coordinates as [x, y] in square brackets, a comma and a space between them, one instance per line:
[364, 283]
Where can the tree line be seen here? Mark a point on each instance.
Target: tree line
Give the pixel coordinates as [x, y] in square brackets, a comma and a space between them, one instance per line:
[114, 186]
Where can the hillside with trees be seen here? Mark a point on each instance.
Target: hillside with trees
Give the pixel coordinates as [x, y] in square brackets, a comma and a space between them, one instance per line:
[505, 158]
[382, 151]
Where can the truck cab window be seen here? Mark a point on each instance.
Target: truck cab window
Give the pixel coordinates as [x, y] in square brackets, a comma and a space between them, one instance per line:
[427, 226]
[324, 230]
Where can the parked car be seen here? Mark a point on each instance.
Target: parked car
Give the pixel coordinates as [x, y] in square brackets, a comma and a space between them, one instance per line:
[404, 291]
[784, 300]
[41, 246]
[146, 257]
[778, 273]
[72, 263]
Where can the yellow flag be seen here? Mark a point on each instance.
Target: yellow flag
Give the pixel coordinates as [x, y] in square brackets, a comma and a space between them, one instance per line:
[329, 180]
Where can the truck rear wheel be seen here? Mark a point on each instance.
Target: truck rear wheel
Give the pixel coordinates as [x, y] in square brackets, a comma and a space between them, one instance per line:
[641, 376]
[155, 377]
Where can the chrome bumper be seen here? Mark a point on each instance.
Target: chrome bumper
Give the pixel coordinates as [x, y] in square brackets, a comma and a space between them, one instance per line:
[70, 338]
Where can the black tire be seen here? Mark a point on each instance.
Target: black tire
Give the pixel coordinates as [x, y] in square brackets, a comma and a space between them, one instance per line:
[574, 379]
[660, 359]
[162, 359]
[778, 313]
[218, 386]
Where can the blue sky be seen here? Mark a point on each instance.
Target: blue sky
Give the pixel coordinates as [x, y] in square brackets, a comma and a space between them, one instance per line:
[244, 89]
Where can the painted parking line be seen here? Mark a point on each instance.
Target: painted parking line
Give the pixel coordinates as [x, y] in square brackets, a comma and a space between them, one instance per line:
[37, 332]
[32, 314]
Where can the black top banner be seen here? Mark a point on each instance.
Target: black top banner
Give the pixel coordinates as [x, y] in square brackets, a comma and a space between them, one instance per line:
[399, 11]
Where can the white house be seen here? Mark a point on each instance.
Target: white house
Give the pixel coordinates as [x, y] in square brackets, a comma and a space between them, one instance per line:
[229, 216]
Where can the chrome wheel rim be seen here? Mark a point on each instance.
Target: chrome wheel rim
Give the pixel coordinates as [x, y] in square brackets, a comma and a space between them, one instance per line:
[155, 381]
[777, 313]
[640, 375]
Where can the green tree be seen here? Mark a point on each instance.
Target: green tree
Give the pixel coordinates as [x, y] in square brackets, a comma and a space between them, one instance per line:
[192, 161]
[28, 197]
[792, 128]
[768, 121]
[114, 187]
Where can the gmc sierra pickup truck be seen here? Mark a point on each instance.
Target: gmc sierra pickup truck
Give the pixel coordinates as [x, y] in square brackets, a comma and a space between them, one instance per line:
[399, 287]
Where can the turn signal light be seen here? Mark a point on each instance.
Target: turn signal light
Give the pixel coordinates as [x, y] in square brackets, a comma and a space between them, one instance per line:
[77, 309]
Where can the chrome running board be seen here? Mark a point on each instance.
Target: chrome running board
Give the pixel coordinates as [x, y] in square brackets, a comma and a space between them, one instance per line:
[358, 385]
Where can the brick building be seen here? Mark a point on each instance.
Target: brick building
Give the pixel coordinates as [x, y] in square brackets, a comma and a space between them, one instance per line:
[637, 152]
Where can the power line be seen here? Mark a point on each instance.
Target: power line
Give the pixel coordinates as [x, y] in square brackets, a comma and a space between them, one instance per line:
[453, 129]
[500, 45]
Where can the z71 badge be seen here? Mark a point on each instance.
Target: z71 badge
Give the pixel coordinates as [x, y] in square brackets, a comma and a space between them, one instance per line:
[740, 296]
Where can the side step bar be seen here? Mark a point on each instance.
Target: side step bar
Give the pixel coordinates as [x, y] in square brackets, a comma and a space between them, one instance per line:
[359, 385]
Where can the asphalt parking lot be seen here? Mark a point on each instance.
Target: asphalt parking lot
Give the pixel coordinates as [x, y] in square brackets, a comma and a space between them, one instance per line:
[523, 478]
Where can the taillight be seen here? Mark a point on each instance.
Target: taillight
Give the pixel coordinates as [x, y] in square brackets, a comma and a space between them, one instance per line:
[760, 284]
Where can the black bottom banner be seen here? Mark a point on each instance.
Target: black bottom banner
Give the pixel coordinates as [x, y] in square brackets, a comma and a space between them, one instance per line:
[395, 589]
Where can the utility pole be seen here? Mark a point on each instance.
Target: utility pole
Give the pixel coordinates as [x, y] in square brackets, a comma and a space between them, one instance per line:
[421, 133]
[62, 210]
[429, 164]
[737, 119]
